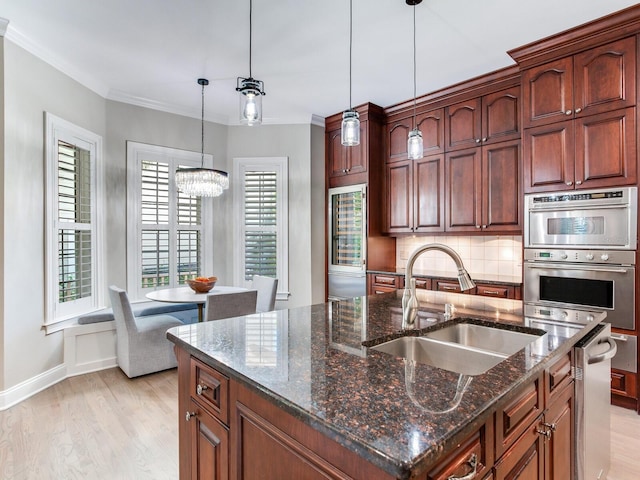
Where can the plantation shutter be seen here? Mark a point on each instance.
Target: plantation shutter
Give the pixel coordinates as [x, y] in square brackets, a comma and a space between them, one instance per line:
[260, 224]
[75, 268]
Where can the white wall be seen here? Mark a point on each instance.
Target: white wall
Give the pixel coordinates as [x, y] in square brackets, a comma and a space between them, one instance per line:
[31, 360]
[32, 87]
[293, 141]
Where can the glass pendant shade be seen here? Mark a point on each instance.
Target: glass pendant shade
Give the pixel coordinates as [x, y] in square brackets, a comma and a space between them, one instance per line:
[415, 146]
[201, 182]
[350, 130]
[250, 92]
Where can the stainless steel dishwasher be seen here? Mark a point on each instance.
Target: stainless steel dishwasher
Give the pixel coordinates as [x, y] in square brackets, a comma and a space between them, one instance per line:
[592, 403]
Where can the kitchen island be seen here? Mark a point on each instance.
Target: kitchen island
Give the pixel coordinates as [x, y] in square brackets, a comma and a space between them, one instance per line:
[299, 393]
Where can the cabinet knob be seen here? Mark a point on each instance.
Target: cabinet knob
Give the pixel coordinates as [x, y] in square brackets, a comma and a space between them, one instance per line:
[473, 463]
[484, 226]
[578, 182]
[189, 415]
[201, 388]
[484, 139]
[578, 110]
[477, 226]
[568, 112]
[550, 426]
[478, 140]
[569, 184]
[545, 433]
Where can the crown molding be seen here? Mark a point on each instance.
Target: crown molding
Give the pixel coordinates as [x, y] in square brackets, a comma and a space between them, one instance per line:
[56, 62]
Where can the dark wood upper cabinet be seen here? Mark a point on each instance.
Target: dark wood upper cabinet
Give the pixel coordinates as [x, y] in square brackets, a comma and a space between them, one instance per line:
[415, 195]
[430, 123]
[483, 189]
[594, 81]
[347, 165]
[463, 125]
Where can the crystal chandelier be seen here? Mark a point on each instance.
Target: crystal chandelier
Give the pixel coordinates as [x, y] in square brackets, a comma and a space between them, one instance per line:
[201, 182]
[415, 146]
[350, 128]
[250, 90]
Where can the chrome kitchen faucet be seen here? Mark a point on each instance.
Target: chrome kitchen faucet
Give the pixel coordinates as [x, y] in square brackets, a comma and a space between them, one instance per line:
[409, 300]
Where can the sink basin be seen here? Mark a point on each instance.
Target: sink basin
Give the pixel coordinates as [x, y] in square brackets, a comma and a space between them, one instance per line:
[465, 348]
[497, 340]
[448, 356]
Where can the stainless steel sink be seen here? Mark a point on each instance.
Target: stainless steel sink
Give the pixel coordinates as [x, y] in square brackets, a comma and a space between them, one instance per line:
[464, 348]
[448, 356]
[497, 340]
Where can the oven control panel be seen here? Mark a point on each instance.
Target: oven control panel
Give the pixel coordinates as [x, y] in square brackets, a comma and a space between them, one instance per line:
[616, 257]
[564, 315]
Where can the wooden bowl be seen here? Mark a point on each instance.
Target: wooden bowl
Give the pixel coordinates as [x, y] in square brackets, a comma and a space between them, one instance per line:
[201, 286]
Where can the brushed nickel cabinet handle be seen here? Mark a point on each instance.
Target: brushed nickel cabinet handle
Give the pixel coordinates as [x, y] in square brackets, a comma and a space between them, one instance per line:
[473, 463]
[578, 110]
[190, 415]
[201, 388]
[568, 112]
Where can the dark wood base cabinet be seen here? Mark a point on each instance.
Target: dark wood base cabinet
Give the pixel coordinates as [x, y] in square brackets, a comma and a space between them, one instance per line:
[229, 431]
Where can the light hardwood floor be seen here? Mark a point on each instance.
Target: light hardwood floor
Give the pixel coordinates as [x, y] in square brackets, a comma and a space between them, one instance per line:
[105, 426]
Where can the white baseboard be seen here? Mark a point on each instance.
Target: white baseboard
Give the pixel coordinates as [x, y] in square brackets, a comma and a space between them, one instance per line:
[28, 388]
[87, 348]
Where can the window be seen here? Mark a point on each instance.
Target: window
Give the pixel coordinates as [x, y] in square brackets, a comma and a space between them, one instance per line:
[73, 171]
[165, 227]
[260, 199]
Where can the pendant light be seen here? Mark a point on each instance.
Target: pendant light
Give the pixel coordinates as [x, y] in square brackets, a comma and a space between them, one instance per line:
[250, 90]
[201, 182]
[350, 129]
[415, 146]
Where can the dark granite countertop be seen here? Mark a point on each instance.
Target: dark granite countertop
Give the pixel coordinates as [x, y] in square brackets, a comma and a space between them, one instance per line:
[483, 278]
[311, 362]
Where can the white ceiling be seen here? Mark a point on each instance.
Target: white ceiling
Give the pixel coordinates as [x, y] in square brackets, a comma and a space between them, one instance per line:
[150, 52]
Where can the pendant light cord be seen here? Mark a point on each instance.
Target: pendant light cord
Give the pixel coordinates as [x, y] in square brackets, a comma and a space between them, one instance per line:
[350, 47]
[414, 66]
[250, 36]
[202, 131]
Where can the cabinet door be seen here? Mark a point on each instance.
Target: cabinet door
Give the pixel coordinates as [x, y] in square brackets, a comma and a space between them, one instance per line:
[559, 419]
[428, 188]
[547, 93]
[605, 78]
[463, 184]
[525, 459]
[501, 187]
[463, 125]
[209, 446]
[548, 157]
[431, 124]
[336, 154]
[397, 133]
[399, 197]
[606, 149]
[501, 116]
[357, 156]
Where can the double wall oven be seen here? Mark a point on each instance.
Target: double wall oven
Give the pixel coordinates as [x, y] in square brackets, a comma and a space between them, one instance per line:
[580, 253]
[579, 260]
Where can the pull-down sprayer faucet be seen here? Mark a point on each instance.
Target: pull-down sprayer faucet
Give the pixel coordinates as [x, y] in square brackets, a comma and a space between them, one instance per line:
[409, 300]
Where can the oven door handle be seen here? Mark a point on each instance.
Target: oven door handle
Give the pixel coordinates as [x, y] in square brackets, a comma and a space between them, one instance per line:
[586, 268]
[613, 348]
[573, 208]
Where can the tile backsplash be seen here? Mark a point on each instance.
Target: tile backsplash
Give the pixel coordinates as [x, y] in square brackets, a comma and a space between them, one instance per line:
[489, 257]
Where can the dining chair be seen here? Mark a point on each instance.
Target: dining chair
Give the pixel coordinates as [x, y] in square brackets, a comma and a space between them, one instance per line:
[267, 288]
[141, 343]
[227, 305]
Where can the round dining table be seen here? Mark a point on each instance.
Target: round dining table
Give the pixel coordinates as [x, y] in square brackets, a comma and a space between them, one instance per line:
[186, 295]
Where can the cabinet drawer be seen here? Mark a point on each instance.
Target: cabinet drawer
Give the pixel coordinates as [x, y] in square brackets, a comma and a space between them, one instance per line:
[623, 383]
[444, 286]
[424, 283]
[494, 291]
[518, 415]
[475, 454]
[385, 280]
[210, 389]
[558, 375]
